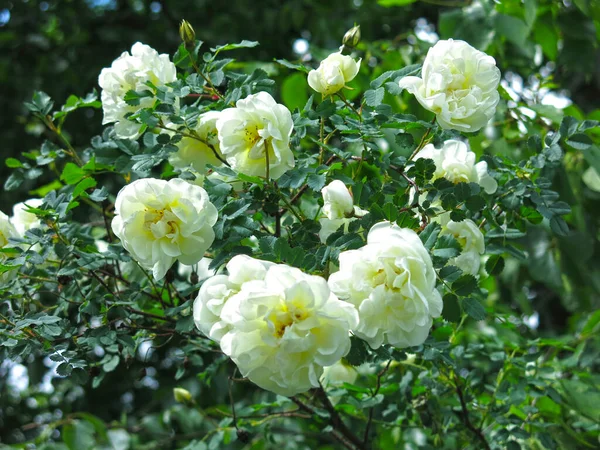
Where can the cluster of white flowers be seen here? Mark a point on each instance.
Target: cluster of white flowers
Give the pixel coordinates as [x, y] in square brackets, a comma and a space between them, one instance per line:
[392, 282]
[333, 73]
[459, 84]
[160, 221]
[455, 162]
[131, 72]
[279, 325]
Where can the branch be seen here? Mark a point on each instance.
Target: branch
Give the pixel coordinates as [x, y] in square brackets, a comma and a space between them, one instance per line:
[377, 388]
[336, 420]
[465, 416]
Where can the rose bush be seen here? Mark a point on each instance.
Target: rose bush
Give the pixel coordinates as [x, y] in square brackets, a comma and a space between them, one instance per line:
[335, 269]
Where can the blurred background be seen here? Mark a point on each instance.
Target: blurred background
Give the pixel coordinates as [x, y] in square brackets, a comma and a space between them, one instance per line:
[547, 51]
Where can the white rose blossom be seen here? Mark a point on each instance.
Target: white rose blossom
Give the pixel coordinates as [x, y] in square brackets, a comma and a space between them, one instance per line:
[337, 200]
[285, 329]
[392, 282]
[330, 226]
[216, 290]
[333, 73]
[256, 132]
[197, 154]
[459, 84]
[338, 374]
[455, 162]
[24, 220]
[132, 72]
[160, 221]
[472, 243]
[7, 231]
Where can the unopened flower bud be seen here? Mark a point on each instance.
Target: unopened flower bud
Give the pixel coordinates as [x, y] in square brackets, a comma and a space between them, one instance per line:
[352, 37]
[187, 33]
[182, 395]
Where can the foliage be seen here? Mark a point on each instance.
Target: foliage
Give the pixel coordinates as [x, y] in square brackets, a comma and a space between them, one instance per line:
[513, 361]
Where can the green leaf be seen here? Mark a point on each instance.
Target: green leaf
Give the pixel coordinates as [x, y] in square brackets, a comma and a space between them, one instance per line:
[374, 97]
[294, 91]
[83, 185]
[509, 233]
[473, 308]
[429, 235]
[227, 47]
[72, 173]
[579, 141]
[559, 226]
[451, 311]
[64, 369]
[41, 103]
[293, 66]
[546, 35]
[133, 98]
[358, 351]
[494, 265]
[465, 285]
[13, 163]
[512, 28]
[446, 247]
[450, 273]
[14, 180]
[390, 3]
[530, 12]
[78, 435]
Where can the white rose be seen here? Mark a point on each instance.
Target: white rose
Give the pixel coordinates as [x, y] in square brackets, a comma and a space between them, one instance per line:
[333, 73]
[337, 200]
[592, 179]
[285, 329]
[200, 269]
[459, 84]
[218, 289]
[195, 153]
[255, 130]
[161, 221]
[391, 281]
[131, 72]
[472, 242]
[330, 226]
[7, 231]
[338, 374]
[455, 162]
[23, 220]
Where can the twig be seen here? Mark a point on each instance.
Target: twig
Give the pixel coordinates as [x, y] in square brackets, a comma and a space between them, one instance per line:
[375, 392]
[465, 416]
[336, 420]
